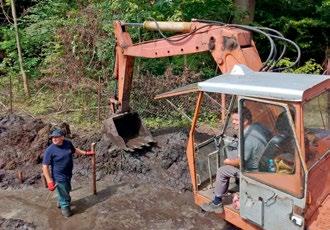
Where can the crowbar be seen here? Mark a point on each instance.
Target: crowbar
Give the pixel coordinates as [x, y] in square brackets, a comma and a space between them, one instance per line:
[94, 168]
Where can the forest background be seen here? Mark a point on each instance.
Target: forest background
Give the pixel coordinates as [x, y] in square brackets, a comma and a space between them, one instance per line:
[68, 53]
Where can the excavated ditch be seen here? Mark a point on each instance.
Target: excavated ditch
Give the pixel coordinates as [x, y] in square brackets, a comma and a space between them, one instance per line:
[23, 140]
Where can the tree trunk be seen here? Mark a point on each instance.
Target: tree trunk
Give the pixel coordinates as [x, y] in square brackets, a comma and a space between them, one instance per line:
[20, 58]
[10, 94]
[247, 6]
[99, 98]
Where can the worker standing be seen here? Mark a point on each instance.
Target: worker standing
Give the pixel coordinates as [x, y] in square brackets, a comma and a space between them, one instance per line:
[59, 156]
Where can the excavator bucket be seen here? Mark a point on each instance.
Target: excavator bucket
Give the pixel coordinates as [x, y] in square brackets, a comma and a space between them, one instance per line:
[126, 130]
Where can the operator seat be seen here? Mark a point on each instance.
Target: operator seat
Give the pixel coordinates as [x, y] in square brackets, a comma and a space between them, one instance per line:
[275, 147]
[280, 144]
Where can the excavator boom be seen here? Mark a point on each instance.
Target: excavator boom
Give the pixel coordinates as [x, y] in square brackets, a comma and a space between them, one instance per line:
[227, 45]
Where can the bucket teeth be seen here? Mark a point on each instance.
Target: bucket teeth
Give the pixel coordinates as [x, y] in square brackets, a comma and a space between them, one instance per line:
[138, 145]
[129, 150]
[146, 144]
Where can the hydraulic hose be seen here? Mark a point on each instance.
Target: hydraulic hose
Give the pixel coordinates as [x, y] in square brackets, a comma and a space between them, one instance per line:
[271, 56]
[250, 28]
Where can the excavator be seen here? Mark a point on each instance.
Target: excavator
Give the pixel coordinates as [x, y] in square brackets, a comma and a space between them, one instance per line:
[228, 45]
[295, 108]
[292, 192]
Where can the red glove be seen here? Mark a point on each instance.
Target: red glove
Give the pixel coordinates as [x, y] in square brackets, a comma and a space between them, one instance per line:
[90, 152]
[51, 186]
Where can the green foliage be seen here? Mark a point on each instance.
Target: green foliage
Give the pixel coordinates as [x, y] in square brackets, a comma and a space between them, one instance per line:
[209, 117]
[68, 45]
[43, 104]
[175, 10]
[36, 30]
[306, 22]
[158, 122]
[309, 67]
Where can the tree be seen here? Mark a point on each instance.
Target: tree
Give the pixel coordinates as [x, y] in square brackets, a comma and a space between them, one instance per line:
[19, 51]
[247, 6]
[306, 22]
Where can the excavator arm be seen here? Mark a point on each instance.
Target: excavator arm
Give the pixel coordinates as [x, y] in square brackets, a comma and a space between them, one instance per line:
[227, 45]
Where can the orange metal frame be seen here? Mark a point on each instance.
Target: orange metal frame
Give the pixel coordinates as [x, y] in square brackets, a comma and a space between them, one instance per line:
[228, 214]
[292, 184]
[318, 190]
[228, 46]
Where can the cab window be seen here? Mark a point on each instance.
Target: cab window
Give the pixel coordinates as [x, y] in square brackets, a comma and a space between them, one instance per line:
[317, 128]
[268, 143]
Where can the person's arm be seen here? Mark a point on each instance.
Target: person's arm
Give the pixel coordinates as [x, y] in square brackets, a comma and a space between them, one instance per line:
[83, 152]
[75, 150]
[249, 147]
[232, 162]
[80, 152]
[50, 183]
[46, 161]
[45, 171]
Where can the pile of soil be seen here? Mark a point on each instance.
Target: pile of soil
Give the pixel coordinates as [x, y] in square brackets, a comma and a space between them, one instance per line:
[24, 139]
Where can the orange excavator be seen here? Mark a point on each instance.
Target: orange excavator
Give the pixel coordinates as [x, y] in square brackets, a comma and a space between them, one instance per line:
[228, 45]
[293, 193]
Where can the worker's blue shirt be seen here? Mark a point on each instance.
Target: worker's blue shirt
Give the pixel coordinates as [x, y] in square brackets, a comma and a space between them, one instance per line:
[60, 158]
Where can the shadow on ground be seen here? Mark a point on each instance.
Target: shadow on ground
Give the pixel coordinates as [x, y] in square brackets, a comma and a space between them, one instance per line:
[85, 203]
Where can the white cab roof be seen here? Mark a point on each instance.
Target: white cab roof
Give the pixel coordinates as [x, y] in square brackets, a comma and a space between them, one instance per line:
[243, 81]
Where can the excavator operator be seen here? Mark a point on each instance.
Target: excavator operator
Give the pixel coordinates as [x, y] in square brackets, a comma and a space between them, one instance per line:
[255, 139]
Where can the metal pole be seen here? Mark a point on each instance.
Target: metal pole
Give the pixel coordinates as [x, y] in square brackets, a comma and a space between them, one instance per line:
[223, 107]
[94, 168]
[179, 110]
[20, 176]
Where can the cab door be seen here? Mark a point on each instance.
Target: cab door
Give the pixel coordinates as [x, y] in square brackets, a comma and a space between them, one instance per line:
[272, 194]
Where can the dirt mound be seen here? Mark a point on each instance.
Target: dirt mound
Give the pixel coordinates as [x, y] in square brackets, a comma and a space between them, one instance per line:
[164, 163]
[23, 140]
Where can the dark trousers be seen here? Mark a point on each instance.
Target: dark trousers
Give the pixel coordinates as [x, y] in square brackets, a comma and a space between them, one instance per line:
[63, 194]
[224, 173]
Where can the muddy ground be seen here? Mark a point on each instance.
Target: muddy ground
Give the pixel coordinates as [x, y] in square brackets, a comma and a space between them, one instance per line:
[149, 189]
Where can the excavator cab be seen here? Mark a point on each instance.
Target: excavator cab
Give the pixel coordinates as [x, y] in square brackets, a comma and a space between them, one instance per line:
[295, 109]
